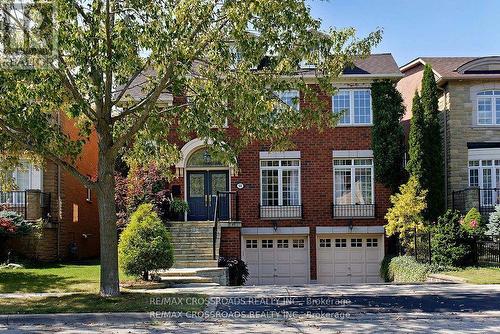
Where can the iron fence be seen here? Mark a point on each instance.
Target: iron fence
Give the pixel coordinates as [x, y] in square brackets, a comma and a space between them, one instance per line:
[281, 212]
[31, 204]
[341, 211]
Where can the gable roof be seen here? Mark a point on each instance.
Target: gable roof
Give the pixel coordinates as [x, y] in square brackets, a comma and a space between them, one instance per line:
[375, 64]
[450, 68]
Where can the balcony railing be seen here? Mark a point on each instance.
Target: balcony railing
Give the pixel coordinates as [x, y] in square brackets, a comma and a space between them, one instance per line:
[342, 211]
[31, 204]
[484, 199]
[280, 212]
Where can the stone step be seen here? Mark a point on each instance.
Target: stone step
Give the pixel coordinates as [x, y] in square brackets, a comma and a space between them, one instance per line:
[197, 250]
[185, 279]
[180, 234]
[194, 285]
[199, 263]
[192, 257]
[202, 272]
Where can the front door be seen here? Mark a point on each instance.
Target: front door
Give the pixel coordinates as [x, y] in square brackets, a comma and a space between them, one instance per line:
[202, 188]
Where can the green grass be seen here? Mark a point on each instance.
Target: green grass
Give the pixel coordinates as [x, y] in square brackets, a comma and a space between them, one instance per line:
[82, 303]
[478, 275]
[81, 277]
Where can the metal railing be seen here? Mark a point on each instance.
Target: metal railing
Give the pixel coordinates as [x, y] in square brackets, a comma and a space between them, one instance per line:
[341, 211]
[227, 209]
[488, 251]
[489, 198]
[483, 199]
[281, 212]
[31, 204]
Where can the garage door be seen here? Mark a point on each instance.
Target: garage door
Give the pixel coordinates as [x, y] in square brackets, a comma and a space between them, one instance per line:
[349, 258]
[276, 260]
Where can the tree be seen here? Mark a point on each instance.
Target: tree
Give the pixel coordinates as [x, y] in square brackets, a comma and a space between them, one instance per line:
[387, 133]
[433, 178]
[405, 215]
[415, 165]
[493, 226]
[145, 244]
[119, 63]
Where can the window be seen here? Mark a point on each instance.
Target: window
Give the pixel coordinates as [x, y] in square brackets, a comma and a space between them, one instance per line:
[203, 158]
[251, 244]
[488, 107]
[325, 243]
[280, 182]
[353, 181]
[370, 242]
[485, 174]
[298, 243]
[283, 243]
[355, 104]
[24, 177]
[267, 243]
[290, 97]
[356, 243]
[340, 243]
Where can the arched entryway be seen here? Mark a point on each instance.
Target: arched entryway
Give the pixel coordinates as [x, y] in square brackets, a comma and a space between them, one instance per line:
[204, 176]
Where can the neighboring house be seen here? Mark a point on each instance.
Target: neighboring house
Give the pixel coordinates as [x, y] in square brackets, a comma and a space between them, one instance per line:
[71, 228]
[312, 214]
[470, 102]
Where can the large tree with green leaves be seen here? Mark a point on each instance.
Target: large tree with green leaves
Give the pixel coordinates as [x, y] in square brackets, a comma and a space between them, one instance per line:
[229, 57]
[433, 162]
[387, 133]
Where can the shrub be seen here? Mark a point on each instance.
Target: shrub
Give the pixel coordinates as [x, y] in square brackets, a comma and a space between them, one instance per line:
[493, 227]
[384, 268]
[472, 223]
[12, 223]
[451, 244]
[405, 269]
[145, 244]
[238, 271]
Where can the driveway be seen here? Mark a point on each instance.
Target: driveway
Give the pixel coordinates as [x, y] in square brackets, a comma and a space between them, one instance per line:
[381, 308]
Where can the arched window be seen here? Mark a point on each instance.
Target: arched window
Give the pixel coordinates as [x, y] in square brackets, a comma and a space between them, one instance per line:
[202, 158]
[488, 107]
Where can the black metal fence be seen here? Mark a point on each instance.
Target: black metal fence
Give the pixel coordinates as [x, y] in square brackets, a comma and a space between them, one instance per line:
[488, 252]
[342, 211]
[484, 199]
[31, 204]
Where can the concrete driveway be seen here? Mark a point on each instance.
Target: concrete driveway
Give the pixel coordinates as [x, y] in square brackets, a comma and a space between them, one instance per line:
[380, 308]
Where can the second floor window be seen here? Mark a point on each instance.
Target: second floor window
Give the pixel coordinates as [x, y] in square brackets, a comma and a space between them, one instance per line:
[355, 104]
[353, 181]
[290, 97]
[280, 182]
[488, 107]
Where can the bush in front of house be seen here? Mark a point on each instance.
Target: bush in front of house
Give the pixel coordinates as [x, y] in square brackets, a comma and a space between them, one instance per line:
[493, 226]
[12, 223]
[145, 244]
[451, 243]
[403, 269]
[473, 223]
[237, 269]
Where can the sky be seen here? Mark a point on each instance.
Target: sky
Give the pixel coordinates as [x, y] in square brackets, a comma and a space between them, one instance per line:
[420, 27]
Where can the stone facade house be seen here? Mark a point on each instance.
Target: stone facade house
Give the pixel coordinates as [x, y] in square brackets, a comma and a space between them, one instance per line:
[69, 210]
[470, 105]
[311, 214]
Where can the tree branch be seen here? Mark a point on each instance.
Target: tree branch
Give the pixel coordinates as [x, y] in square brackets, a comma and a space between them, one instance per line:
[22, 140]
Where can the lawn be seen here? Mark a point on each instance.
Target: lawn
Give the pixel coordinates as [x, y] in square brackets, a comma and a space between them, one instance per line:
[77, 277]
[478, 275]
[89, 302]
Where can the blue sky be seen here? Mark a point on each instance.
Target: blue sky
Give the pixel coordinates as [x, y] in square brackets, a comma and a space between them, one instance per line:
[420, 27]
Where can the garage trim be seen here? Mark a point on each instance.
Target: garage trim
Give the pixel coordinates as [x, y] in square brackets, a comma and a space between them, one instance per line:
[272, 231]
[347, 230]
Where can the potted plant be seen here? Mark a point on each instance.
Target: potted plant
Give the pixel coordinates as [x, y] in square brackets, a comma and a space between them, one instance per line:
[178, 208]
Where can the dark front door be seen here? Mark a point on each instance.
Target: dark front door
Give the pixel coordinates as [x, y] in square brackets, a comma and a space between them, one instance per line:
[202, 188]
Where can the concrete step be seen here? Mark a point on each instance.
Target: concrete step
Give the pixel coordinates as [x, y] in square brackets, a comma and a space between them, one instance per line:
[203, 272]
[199, 263]
[185, 279]
[193, 257]
[194, 285]
[183, 234]
[203, 251]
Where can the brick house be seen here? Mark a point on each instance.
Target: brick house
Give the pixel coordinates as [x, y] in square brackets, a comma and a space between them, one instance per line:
[470, 105]
[71, 228]
[311, 214]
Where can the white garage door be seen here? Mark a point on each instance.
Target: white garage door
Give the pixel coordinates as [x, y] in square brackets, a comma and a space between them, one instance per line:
[276, 260]
[350, 258]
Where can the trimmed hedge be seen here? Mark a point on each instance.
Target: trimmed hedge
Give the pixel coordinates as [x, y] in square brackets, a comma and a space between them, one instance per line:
[403, 269]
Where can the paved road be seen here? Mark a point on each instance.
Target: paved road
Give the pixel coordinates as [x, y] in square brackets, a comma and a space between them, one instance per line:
[430, 308]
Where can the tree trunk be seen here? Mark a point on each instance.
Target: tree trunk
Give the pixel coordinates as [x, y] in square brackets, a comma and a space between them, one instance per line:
[107, 221]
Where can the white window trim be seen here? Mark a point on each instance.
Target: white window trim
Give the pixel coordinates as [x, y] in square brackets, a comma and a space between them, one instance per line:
[284, 155]
[352, 168]
[480, 173]
[494, 110]
[280, 181]
[30, 170]
[351, 107]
